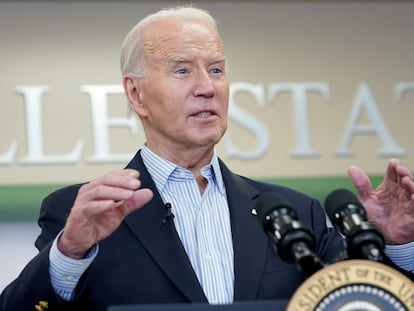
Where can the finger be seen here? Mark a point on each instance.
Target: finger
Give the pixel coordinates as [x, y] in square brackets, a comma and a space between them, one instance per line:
[360, 181]
[402, 177]
[402, 171]
[105, 192]
[124, 207]
[391, 171]
[139, 199]
[97, 207]
[125, 178]
[398, 172]
[408, 185]
[115, 185]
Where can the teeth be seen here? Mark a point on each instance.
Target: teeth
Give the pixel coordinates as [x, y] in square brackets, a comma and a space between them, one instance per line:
[204, 114]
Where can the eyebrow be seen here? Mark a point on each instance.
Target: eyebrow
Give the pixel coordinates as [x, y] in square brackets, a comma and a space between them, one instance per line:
[179, 60]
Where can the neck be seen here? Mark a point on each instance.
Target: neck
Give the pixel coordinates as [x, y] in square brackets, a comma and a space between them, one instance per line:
[192, 159]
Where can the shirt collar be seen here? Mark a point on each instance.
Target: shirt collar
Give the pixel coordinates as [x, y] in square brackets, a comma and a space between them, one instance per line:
[161, 169]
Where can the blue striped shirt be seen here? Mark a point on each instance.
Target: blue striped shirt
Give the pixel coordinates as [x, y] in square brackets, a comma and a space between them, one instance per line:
[402, 255]
[202, 222]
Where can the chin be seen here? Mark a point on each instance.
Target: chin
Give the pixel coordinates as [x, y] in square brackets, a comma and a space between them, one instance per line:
[208, 137]
[210, 141]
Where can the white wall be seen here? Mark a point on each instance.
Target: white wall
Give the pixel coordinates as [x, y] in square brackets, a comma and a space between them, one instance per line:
[17, 248]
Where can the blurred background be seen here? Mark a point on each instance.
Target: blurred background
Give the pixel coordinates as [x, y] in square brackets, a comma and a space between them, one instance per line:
[315, 87]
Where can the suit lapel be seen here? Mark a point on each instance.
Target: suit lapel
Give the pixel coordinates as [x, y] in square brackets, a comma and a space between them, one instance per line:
[162, 241]
[249, 241]
[164, 245]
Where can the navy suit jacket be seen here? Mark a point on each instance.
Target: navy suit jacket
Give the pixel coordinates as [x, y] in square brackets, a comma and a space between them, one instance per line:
[144, 262]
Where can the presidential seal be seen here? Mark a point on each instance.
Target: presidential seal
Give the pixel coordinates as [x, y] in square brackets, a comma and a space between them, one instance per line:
[354, 285]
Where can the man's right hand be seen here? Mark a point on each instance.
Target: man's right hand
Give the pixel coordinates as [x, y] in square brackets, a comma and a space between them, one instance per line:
[99, 208]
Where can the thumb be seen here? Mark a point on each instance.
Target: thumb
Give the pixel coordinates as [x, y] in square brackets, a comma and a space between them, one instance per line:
[360, 181]
[139, 199]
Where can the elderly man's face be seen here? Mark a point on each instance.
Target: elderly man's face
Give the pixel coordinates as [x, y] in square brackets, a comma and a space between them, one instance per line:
[184, 99]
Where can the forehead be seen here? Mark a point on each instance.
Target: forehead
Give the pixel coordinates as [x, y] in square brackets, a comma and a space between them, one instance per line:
[173, 38]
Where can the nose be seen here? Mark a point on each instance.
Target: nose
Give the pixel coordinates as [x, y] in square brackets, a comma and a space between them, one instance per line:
[203, 84]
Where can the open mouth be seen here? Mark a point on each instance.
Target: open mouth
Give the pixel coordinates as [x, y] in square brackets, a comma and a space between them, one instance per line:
[204, 114]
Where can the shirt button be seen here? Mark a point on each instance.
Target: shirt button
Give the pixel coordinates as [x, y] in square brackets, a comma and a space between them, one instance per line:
[69, 278]
[182, 174]
[209, 257]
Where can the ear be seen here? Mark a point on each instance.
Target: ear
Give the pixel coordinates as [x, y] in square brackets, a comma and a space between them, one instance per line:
[132, 91]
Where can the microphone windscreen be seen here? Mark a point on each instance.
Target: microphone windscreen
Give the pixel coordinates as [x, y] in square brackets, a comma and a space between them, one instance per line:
[337, 199]
[268, 202]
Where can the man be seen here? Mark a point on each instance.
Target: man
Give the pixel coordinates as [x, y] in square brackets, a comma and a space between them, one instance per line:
[176, 225]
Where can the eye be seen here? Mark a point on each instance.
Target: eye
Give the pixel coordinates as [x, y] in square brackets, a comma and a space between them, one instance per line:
[216, 71]
[182, 71]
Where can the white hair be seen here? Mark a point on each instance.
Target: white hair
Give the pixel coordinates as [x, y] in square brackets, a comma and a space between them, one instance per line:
[132, 49]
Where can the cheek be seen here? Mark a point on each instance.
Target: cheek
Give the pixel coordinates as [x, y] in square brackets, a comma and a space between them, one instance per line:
[165, 109]
[151, 101]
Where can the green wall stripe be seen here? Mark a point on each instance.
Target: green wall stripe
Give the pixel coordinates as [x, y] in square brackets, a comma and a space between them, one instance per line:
[22, 203]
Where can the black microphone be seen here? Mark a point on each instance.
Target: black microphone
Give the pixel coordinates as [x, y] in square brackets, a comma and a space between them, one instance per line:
[349, 217]
[168, 216]
[294, 241]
